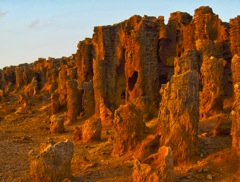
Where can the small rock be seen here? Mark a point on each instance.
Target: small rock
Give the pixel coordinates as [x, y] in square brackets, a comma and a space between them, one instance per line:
[201, 155]
[91, 130]
[210, 177]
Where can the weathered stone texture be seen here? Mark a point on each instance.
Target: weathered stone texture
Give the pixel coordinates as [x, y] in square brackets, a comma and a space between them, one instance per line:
[235, 132]
[147, 147]
[62, 87]
[157, 167]
[212, 94]
[73, 101]
[128, 127]
[57, 124]
[55, 104]
[52, 164]
[187, 62]
[178, 114]
[235, 35]
[88, 103]
[91, 130]
[236, 69]
[84, 60]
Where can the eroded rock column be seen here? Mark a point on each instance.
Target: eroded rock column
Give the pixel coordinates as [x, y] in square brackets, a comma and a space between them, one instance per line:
[178, 112]
[73, 101]
[235, 131]
[212, 94]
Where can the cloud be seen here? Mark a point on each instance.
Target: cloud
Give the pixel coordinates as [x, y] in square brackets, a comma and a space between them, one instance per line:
[2, 13]
[35, 24]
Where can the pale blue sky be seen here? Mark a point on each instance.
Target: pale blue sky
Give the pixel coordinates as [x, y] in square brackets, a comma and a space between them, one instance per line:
[30, 29]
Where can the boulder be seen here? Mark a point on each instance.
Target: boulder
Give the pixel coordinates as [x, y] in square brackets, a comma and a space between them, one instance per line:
[129, 129]
[91, 130]
[52, 164]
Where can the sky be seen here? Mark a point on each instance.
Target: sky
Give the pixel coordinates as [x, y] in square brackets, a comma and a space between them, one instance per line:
[30, 29]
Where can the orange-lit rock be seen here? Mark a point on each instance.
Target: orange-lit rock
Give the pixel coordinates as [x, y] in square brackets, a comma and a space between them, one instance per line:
[57, 124]
[212, 94]
[157, 167]
[128, 127]
[236, 69]
[235, 35]
[235, 132]
[73, 101]
[91, 130]
[148, 146]
[53, 163]
[178, 113]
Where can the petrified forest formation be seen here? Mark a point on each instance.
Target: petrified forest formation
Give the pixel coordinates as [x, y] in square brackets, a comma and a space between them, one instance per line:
[142, 69]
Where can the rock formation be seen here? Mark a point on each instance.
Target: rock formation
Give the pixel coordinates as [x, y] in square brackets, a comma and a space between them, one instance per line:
[128, 127]
[88, 103]
[53, 163]
[116, 76]
[212, 94]
[236, 69]
[57, 124]
[91, 130]
[84, 61]
[126, 56]
[148, 146]
[235, 132]
[178, 112]
[236, 105]
[235, 35]
[157, 167]
[55, 104]
[73, 101]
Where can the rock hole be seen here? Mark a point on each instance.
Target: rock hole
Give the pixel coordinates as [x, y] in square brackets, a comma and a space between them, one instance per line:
[163, 79]
[132, 81]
